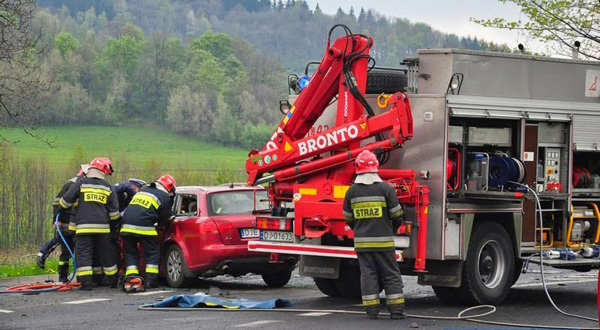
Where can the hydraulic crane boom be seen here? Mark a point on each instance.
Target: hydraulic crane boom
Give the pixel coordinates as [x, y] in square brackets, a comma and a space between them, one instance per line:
[346, 58]
[315, 171]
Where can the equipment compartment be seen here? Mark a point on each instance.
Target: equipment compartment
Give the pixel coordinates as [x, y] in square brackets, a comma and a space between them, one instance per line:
[489, 156]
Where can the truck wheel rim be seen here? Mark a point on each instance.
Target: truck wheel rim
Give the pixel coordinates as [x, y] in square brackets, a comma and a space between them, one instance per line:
[491, 264]
[174, 266]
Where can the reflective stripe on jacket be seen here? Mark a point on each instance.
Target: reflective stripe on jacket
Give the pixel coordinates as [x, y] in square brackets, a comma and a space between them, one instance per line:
[96, 204]
[371, 211]
[147, 208]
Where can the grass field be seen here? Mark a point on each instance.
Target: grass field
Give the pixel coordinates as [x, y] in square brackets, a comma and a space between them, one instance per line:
[137, 145]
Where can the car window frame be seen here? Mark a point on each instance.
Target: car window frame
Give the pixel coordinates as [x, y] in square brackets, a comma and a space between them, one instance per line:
[177, 204]
[209, 196]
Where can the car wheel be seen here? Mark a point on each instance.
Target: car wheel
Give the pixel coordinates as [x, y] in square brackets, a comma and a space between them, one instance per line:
[177, 268]
[278, 279]
[488, 272]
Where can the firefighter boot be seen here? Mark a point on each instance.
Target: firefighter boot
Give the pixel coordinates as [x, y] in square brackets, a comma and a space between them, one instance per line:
[40, 260]
[86, 283]
[63, 273]
[397, 311]
[151, 281]
[112, 280]
[372, 311]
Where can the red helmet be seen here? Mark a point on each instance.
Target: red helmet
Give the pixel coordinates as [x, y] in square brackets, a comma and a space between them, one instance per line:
[103, 164]
[366, 162]
[168, 182]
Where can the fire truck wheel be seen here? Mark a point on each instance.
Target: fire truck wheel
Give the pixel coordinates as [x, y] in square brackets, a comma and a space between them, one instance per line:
[176, 268]
[517, 272]
[278, 279]
[489, 269]
[327, 286]
[348, 283]
[446, 294]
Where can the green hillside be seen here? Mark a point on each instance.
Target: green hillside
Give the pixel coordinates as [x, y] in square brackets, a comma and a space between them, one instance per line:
[137, 146]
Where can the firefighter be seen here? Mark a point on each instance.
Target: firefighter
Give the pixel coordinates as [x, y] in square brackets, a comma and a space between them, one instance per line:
[372, 210]
[125, 191]
[97, 207]
[63, 221]
[148, 209]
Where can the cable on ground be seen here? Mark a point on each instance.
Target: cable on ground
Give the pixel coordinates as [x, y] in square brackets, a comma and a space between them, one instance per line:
[48, 287]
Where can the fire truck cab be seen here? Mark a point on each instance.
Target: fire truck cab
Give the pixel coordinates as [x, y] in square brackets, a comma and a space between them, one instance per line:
[485, 124]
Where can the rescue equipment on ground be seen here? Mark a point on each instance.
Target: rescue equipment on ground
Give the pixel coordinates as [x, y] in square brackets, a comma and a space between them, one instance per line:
[202, 300]
[133, 283]
[48, 287]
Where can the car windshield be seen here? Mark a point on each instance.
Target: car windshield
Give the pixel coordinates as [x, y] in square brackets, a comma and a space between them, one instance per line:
[236, 202]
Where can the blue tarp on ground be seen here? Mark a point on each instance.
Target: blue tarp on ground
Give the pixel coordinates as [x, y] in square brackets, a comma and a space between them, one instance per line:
[202, 300]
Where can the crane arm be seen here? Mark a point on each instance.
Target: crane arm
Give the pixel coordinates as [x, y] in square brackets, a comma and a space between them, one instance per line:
[397, 120]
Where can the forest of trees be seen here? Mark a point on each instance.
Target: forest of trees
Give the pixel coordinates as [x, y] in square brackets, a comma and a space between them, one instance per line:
[205, 68]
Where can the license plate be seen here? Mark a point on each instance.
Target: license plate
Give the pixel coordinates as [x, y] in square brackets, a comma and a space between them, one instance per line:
[277, 236]
[250, 233]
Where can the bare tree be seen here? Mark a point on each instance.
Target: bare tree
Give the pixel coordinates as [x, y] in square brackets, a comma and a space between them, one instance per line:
[23, 87]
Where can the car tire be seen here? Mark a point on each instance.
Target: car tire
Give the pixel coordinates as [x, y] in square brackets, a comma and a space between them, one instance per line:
[327, 286]
[278, 279]
[176, 268]
[446, 294]
[488, 272]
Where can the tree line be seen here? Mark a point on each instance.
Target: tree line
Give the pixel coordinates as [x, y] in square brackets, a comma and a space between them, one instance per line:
[211, 69]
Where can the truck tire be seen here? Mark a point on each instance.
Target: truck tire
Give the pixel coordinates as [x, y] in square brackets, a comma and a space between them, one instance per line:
[386, 81]
[447, 295]
[488, 272]
[517, 272]
[327, 286]
[278, 279]
[348, 283]
[176, 268]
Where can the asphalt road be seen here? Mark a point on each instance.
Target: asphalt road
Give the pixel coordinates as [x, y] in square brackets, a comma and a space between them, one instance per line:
[105, 308]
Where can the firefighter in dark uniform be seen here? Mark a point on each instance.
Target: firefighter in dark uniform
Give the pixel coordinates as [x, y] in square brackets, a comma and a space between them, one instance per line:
[97, 206]
[126, 190]
[372, 210]
[148, 208]
[63, 221]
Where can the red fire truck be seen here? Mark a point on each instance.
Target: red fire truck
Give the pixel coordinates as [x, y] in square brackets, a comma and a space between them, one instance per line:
[493, 156]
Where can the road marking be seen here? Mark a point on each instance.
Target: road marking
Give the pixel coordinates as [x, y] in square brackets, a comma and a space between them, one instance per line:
[314, 314]
[147, 293]
[257, 324]
[84, 301]
[5, 311]
[552, 283]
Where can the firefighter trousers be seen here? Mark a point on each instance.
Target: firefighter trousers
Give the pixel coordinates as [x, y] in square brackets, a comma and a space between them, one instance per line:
[49, 246]
[151, 255]
[63, 258]
[376, 268]
[100, 245]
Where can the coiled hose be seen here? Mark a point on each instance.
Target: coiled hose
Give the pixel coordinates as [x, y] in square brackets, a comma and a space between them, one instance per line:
[49, 287]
